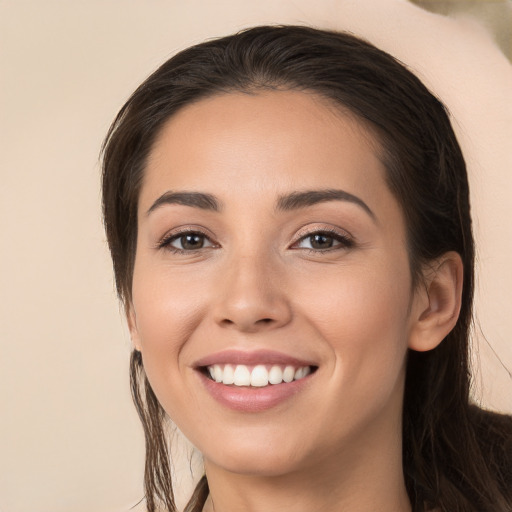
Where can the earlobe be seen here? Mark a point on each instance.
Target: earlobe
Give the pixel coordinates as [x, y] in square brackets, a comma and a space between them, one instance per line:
[131, 319]
[437, 302]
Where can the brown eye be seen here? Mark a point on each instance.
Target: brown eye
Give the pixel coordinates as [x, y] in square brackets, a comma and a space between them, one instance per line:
[189, 242]
[324, 241]
[321, 241]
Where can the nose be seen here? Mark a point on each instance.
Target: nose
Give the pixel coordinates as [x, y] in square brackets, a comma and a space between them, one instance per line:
[252, 297]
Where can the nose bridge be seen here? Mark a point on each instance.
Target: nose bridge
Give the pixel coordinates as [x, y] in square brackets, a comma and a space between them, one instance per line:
[252, 296]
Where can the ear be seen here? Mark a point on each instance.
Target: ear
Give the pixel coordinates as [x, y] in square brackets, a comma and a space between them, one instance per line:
[131, 319]
[437, 301]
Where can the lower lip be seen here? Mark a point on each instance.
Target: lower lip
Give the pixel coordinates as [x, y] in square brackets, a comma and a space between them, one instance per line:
[253, 399]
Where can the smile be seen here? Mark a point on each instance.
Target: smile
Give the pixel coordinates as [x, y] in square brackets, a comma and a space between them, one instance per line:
[256, 376]
[254, 381]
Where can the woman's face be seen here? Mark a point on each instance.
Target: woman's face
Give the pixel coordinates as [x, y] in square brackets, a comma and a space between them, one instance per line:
[270, 247]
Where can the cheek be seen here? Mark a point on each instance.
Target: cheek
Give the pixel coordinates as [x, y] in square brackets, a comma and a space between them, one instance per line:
[363, 316]
[360, 297]
[168, 310]
[364, 323]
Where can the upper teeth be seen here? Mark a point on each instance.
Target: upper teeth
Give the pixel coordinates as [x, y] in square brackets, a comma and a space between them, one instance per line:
[259, 376]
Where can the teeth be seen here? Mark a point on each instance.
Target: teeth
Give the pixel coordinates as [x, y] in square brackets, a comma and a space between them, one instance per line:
[302, 372]
[275, 375]
[259, 376]
[242, 376]
[217, 373]
[228, 376]
[289, 373]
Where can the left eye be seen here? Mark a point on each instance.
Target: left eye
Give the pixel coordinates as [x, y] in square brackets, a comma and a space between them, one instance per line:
[323, 241]
[189, 241]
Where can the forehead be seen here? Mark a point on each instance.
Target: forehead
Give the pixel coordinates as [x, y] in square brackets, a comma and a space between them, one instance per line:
[259, 141]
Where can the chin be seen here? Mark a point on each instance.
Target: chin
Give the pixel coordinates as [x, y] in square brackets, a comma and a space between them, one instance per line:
[259, 456]
[261, 464]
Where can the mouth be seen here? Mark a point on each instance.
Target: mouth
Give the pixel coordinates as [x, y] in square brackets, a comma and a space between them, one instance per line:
[256, 376]
[254, 381]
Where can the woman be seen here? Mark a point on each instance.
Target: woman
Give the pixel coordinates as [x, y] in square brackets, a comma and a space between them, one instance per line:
[288, 215]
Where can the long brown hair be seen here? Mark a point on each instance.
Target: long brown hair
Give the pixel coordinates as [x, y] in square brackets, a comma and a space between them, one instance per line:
[456, 457]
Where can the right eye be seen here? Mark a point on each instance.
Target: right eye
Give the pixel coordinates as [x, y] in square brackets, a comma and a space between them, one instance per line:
[187, 241]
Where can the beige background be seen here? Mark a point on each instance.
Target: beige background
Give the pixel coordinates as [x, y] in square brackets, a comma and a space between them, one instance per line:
[70, 440]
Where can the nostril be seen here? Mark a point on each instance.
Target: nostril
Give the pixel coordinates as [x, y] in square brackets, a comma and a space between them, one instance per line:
[227, 322]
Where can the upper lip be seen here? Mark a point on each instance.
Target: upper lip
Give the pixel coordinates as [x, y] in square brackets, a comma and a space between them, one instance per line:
[253, 357]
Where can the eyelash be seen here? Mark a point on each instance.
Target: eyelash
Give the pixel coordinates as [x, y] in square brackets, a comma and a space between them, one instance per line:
[166, 242]
[344, 241]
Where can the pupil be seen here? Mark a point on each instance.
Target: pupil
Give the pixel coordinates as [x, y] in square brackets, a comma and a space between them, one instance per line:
[321, 241]
[192, 241]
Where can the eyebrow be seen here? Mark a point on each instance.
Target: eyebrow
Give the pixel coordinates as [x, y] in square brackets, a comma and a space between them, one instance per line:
[297, 200]
[288, 202]
[194, 199]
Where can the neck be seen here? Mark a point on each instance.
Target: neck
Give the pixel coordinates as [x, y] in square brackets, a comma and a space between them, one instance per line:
[366, 477]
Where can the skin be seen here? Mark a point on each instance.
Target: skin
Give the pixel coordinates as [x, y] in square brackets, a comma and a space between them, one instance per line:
[258, 284]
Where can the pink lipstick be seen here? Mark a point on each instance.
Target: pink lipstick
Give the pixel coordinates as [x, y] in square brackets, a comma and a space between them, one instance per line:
[253, 381]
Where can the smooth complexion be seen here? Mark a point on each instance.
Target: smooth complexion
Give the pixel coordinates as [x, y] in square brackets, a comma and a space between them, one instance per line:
[233, 256]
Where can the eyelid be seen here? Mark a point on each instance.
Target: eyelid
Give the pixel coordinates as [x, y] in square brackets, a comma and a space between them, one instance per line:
[341, 235]
[169, 236]
[313, 228]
